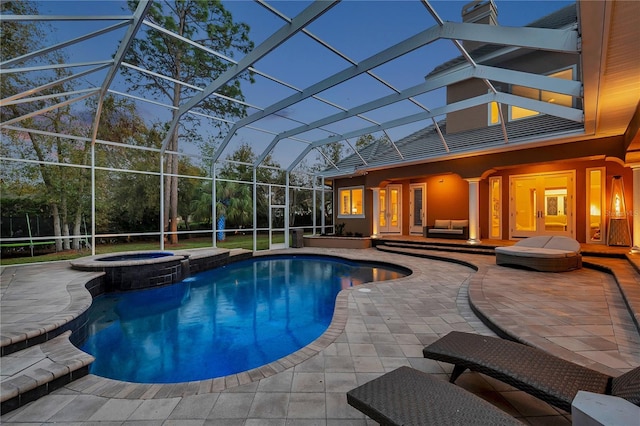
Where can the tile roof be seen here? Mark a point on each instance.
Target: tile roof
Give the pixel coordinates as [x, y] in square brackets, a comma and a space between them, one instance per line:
[426, 143]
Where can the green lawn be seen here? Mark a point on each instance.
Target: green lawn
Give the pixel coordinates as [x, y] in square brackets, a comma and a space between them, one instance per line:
[232, 241]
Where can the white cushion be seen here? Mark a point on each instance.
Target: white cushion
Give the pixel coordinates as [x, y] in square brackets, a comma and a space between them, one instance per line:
[459, 224]
[563, 243]
[442, 224]
[534, 241]
[445, 231]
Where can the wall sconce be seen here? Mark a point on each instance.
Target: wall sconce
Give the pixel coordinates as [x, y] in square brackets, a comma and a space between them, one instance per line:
[619, 232]
[441, 180]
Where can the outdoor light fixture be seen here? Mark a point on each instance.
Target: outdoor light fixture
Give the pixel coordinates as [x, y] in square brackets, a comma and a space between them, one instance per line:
[619, 232]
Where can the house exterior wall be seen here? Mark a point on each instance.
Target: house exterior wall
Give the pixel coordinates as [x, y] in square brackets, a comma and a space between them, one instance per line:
[478, 117]
[613, 168]
[355, 225]
[448, 191]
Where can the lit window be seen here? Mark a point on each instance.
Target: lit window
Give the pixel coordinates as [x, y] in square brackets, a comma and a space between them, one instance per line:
[351, 201]
[494, 114]
[540, 95]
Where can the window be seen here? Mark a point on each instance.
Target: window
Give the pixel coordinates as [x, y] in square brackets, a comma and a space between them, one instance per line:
[516, 113]
[351, 202]
[494, 114]
[595, 203]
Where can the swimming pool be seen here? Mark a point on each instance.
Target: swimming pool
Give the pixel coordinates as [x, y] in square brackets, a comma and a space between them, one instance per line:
[222, 321]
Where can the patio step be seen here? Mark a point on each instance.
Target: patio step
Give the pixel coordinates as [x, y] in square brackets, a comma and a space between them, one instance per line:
[38, 370]
[427, 246]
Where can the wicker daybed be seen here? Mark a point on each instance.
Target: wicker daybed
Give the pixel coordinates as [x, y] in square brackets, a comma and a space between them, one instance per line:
[545, 376]
[542, 253]
[406, 396]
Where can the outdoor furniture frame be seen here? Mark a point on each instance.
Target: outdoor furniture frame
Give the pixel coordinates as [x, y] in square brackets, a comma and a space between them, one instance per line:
[406, 396]
[545, 376]
[542, 253]
[447, 228]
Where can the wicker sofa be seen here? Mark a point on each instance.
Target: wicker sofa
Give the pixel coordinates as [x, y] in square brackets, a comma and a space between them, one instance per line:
[448, 228]
[542, 253]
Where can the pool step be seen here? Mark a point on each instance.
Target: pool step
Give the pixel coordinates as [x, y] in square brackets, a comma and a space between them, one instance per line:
[38, 370]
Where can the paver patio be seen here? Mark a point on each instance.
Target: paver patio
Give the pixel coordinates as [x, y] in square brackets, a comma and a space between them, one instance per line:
[579, 315]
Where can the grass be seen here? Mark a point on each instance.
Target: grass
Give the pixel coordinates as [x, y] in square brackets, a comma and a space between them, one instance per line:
[231, 242]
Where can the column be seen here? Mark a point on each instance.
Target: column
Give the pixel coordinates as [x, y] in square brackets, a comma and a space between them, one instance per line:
[376, 211]
[635, 217]
[474, 210]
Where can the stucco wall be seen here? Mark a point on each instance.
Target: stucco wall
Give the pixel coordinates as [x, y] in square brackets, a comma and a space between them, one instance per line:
[478, 117]
[448, 192]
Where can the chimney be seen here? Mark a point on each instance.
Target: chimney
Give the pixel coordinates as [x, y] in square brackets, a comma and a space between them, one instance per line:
[479, 12]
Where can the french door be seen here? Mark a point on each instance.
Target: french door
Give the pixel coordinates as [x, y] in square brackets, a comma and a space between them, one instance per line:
[417, 206]
[542, 204]
[389, 214]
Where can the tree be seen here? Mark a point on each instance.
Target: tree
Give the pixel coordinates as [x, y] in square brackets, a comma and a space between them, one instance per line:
[61, 187]
[235, 199]
[17, 39]
[127, 202]
[330, 154]
[211, 25]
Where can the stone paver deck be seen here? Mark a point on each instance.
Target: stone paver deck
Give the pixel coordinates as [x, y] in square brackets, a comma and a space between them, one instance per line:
[579, 315]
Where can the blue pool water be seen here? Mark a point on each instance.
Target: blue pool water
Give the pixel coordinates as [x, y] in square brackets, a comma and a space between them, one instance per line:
[222, 321]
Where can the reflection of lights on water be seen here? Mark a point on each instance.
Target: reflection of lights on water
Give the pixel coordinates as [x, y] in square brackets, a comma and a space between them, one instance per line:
[189, 280]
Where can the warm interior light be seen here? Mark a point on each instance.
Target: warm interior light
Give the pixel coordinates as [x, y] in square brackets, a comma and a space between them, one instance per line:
[616, 205]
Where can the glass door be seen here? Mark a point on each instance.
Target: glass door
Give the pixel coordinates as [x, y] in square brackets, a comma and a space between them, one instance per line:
[277, 212]
[389, 203]
[541, 205]
[417, 206]
[495, 208]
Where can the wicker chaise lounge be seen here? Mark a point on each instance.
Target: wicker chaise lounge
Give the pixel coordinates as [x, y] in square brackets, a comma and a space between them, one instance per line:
[543, 253]
[545, 376]
[406, 396]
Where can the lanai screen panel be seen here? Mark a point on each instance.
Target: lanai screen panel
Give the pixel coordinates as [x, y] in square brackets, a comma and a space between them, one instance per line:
[319, 72]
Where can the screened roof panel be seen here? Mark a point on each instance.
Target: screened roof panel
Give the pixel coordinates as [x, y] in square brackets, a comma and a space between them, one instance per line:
[355, 91]
[286, 62]
[319, 69]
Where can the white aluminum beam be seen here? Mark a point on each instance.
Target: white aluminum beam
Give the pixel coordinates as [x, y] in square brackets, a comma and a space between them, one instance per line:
[63, 44]
[54, 66]
[51, 84]
[136, 23]
[412, 43]
[535, 105]
[163, 77]
[446, 30]
[64, 18]
[568, 87]
[51, 96]
[49, 108]
[554, 40]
